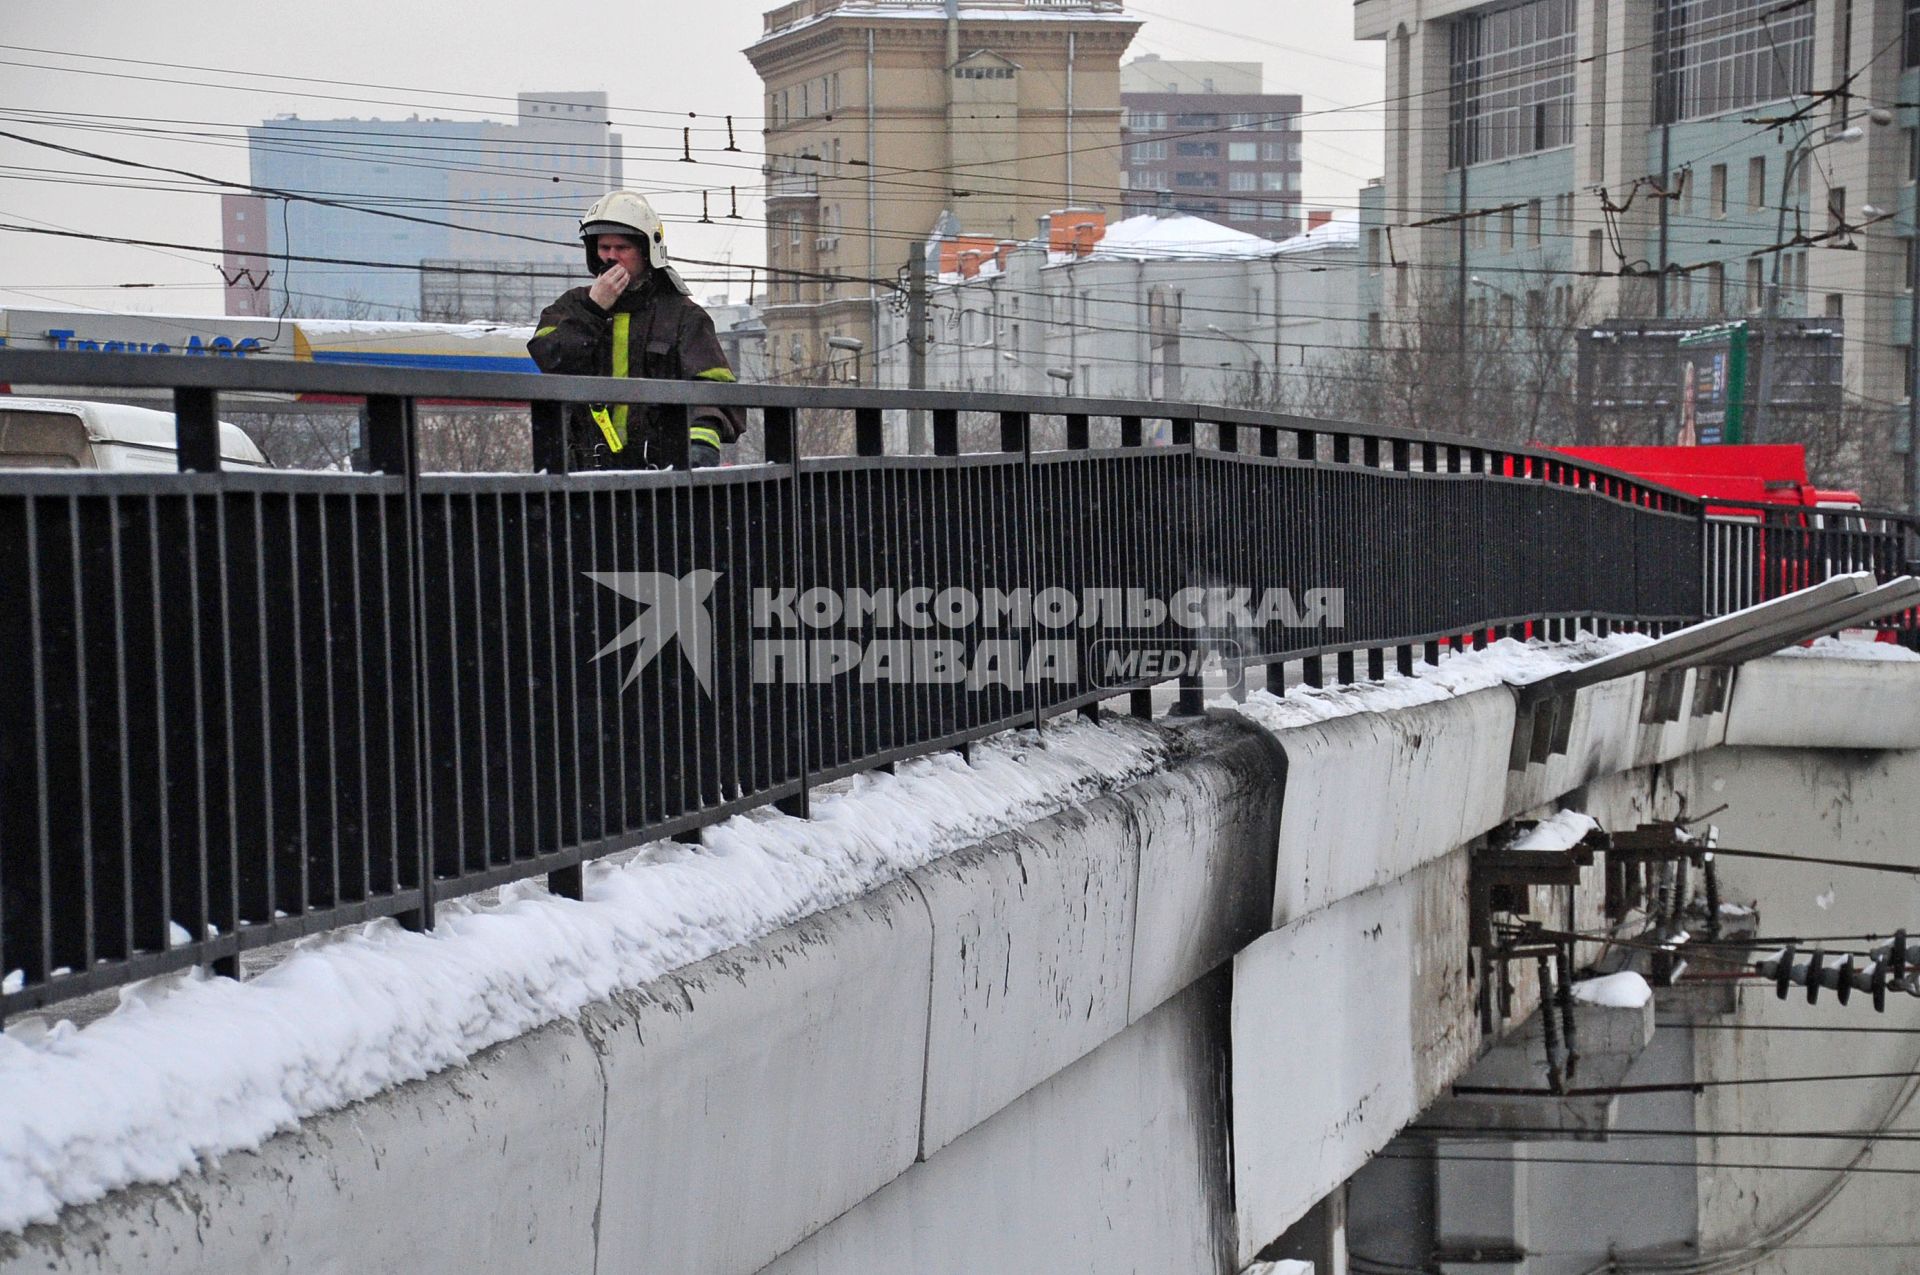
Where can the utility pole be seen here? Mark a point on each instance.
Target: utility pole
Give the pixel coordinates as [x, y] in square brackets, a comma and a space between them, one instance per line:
[917, 444]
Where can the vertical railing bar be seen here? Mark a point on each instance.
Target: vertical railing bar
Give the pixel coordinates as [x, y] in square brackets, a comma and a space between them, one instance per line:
[122, 729]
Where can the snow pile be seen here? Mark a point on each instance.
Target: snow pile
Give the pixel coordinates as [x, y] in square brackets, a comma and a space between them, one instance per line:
[1560, 832]
[1625, 990]
[1845, 648]
[190, 1067]
[1502, 662]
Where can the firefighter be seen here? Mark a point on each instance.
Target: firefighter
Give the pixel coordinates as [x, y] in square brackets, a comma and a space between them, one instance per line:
[635, 319]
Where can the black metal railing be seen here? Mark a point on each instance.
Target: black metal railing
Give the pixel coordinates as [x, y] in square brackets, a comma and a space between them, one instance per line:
[242, 706]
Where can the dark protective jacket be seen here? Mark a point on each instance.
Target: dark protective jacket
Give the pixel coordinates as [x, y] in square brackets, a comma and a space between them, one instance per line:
[653, 331]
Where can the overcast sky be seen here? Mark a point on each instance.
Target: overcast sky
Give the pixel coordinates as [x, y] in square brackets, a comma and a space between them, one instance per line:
[231, 66]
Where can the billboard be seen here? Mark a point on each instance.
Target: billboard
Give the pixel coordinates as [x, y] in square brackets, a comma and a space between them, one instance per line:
[1713, 386]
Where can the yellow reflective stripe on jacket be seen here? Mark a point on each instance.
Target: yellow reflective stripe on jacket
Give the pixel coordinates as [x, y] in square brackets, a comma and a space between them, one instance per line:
[613, 425]
[704, 434]
[549, 328]
[714, 374]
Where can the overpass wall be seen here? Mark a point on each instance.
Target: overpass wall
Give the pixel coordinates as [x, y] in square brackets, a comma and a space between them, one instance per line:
[1144, 1034]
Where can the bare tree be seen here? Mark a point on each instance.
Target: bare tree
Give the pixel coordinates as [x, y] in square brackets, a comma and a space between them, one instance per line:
[301, 440]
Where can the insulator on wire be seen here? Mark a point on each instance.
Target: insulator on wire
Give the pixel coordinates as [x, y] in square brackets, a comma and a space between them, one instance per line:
[1814, 963]
[1783, 972]
[1550, 1026]
[1844, 988]
[1564, 962]
[1713, 900]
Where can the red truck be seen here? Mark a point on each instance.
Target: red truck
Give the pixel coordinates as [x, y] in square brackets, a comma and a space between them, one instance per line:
[1743, 474]
[1788, 533]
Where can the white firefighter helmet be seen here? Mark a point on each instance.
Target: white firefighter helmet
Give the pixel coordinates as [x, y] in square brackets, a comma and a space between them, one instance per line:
[625, 213]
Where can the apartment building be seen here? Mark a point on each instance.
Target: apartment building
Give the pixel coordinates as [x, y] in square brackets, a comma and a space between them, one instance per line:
[1700, 159]
[884, 114]
[510, 193]
[1205, 138]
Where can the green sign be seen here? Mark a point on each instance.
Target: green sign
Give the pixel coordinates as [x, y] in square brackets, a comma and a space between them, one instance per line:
[1713, 391]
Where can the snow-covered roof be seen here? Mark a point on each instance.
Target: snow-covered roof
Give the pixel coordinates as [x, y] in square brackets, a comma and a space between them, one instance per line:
[1337, 233]
[1180, 237]
[935, 10]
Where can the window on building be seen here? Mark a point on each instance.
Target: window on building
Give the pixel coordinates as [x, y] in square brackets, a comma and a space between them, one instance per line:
[1278, 124]
[1273, 152]
[1717, 288]
[1207, 120]
[1682, 189]
[1911, 137]
[1506, 229]
[1836, 306]
[1243, 152]
[1373, 251]
[1596, 252]
[1720, 55]
[1757, 182]
[1243, 209]
[1141, 151]
[1244, 119]
[1511, 81]
[1146, 121]
[1535, 231]
[1910, 43]
[1373, 328]
[1756, 286]
[1243, 181]
[1717, 191]
[1200, 180]
[1836, 208]
[1274, 181]
[1198, 150]
[1686, 292]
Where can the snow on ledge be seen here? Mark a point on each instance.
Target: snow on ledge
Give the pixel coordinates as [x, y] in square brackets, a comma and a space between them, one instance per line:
[1625, 990]
[189, 1067]
[1462, 673]
[1559, 832]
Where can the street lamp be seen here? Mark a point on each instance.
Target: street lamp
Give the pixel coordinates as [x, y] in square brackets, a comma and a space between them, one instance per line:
[1064, 375]
[852, 344]
[1258, 366]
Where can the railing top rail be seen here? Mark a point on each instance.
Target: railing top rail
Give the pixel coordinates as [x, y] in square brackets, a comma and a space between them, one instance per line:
[290, 376]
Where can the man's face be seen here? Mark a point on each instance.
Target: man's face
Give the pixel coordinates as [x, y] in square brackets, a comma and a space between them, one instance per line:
[619, 250]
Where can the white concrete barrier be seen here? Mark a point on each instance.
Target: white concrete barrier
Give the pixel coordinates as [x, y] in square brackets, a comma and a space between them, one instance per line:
[1117, 1163]
[1372, 796]
[1346, 1022]
[1814, 702]
[494, 1166]
[753, 1097]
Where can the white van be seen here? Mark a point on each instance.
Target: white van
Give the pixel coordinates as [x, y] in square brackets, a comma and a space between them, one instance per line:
[51, 433]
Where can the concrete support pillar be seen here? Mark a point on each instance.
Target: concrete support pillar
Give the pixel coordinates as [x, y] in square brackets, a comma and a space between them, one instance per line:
[1480, 1209]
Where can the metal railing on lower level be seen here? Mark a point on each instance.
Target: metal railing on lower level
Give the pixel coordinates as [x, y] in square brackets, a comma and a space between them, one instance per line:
[244, 706]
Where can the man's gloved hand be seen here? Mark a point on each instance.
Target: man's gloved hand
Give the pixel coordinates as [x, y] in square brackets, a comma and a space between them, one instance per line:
[702, 455]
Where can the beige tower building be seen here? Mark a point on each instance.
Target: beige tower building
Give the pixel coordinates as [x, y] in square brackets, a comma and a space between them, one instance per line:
[882, 114]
